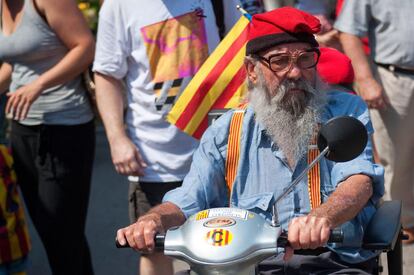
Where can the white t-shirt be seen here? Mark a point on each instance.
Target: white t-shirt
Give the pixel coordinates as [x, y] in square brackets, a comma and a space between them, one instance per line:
[156, 47]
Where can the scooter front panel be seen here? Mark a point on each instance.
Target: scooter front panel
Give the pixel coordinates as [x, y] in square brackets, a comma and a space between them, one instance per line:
[222, 236]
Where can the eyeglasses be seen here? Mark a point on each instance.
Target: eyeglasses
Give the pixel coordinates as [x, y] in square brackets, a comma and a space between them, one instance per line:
[283, 61]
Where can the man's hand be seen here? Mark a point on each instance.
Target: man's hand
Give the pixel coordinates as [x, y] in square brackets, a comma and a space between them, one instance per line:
[126, 157]
[372, 92]
[307, 232]
[140, 235]
[326, 25]
[343, 204]
[368, 88]
[329, 39]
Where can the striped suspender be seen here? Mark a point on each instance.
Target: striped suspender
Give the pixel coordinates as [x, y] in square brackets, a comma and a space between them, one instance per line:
[233, 156]
[314, 176]
[233, 147]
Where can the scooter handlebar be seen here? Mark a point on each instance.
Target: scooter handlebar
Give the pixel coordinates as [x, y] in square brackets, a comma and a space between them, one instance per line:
[337, 236]
[158, 240]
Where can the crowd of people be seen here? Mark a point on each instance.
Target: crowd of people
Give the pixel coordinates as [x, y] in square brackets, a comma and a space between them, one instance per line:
[304, 65]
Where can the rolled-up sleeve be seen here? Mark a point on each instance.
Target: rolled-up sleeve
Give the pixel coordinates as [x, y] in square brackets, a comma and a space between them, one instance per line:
[354, 17]
[361, 165]
[204, 186]
[364, 163]
[112, 42]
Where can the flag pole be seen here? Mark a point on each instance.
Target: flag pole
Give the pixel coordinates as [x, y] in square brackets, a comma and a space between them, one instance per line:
[244, 12]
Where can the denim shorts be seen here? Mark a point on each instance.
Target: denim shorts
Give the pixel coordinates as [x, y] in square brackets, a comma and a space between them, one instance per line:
[145, 195]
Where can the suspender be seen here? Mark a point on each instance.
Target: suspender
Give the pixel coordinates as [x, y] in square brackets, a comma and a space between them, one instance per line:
[314, 177]
[233, 156]
[233, 147]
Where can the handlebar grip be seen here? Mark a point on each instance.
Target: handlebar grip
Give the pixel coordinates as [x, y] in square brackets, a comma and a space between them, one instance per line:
[159, 240]
[118, 245]
[337, 236]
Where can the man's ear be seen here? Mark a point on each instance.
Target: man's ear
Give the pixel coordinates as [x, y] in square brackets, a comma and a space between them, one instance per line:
[251, 73]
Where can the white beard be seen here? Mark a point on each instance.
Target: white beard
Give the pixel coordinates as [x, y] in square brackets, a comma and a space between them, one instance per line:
[289, 120]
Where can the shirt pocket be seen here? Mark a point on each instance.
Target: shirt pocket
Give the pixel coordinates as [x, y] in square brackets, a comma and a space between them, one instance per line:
[260, 203]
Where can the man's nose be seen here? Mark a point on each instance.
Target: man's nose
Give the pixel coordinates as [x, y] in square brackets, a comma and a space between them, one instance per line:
[295, 73]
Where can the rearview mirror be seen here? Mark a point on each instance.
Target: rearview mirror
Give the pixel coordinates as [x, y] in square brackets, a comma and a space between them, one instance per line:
[346, 138]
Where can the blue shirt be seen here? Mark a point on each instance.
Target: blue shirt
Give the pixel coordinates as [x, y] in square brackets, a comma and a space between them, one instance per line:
[263, 174]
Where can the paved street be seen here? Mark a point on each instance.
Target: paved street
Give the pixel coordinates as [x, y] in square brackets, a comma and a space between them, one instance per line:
[107, 212]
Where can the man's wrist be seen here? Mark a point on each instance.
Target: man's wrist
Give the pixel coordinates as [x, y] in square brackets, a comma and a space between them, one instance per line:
[323, 214]
[364, 78]
[116, 135]
[157, 218]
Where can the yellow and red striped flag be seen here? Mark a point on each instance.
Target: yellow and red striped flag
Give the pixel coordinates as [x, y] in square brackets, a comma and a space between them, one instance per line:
[219, 83]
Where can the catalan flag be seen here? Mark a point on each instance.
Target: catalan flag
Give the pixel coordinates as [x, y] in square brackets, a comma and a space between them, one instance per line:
[14, 234]
[219, 83]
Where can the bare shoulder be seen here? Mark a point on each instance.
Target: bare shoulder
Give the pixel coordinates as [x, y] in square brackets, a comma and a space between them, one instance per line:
[60, 6]
[66, 20]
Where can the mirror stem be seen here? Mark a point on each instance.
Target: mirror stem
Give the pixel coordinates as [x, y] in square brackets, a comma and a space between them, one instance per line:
[275, 218]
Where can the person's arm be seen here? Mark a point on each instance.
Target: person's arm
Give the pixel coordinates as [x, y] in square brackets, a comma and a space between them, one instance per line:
[368, 88]
[358, 183]
[109, 98]
[140, 235]
[313, 230]
[346, 201]
[67, 22]
[203, 187]
[5, 77]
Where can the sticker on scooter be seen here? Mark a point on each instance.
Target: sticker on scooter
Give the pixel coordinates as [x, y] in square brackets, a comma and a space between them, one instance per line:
[222, 212]
[202, 215]
[219, 237]
[220, 222]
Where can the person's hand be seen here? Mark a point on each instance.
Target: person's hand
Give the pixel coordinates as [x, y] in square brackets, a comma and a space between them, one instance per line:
[325, 23]
[307, 232]
[372, 93]
[329, 39]
[126, 157]
[20, 100]
[140, 235]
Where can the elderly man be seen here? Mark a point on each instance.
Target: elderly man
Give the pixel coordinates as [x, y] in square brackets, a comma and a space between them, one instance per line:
[286, 105]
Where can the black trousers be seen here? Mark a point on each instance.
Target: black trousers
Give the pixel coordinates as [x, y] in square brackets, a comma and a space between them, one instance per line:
[53, 164]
